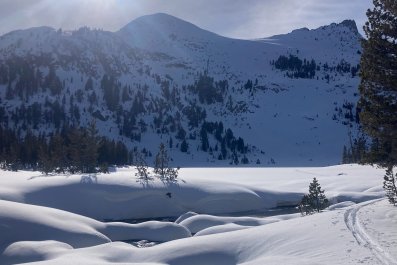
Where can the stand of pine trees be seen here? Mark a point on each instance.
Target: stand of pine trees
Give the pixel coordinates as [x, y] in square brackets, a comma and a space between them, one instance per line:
[357, 152]
[378, 88]
[161, 169]
[71, 150]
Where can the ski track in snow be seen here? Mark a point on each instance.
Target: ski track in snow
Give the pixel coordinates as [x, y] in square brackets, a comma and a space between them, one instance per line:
[363, 239]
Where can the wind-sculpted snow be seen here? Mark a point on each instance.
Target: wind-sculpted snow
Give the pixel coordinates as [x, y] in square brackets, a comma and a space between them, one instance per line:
[26, 223]
[199, 223]
[31, 233]
[317, 239]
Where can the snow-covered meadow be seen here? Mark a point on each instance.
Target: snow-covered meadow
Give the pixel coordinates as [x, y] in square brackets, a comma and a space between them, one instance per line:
[209, 216]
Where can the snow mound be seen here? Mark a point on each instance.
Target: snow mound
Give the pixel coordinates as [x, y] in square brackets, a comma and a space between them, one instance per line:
[323, 238]
[185, 216]
[37, 223]
[197, 223]
[41, 223]
[221, 229]
[30, 251]
[200, 222]
[341, 205]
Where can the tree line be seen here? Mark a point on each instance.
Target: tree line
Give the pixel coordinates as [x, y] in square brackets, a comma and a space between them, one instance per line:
[71, 150]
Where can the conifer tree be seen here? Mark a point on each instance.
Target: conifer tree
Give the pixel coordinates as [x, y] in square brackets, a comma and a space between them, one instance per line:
[317, 197]
[75, 150]
[378, 88]
[91, 148]
[161, 166]
[305, 206]
[315, 200]
[184, 146]
[45, 161]
[161, 162]
[142, 168]
[59, 153]
[345, 156]
[389, 184]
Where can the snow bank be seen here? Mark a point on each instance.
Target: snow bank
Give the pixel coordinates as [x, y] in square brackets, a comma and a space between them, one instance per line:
[341, 205]
[63, 235]
[22, 222]
[221, 229]
[119, 196]
[324, 238]
[185, 216]
[30, 251]
[197, 223]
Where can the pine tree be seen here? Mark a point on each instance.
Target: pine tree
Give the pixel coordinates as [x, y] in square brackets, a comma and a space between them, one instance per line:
[161, 162]
[305, 206]
[91, 148]
[184, 146]
[59, 153]
[45, 161]
[75, 150]
[161, 166]
[204, 139]
[378, 87]
[315, 200]
[142, 168]
[345, 158]
[317, 196]
[389, 184]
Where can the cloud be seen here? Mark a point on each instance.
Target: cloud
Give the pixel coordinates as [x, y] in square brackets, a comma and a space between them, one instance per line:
[237, 18]
[285, 16]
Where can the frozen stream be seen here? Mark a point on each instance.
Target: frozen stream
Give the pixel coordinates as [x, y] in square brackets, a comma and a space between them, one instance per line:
[143, 243]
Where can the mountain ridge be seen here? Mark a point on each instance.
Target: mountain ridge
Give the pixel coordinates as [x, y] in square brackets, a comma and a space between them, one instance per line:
[181, 88]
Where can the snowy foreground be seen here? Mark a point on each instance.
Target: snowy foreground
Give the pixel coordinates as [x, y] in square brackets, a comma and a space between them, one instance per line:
[226, 216]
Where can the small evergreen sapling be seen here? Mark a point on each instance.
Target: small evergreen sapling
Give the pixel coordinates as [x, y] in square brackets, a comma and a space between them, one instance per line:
[142, 168]
[161, 166]
[314, 201]
[317, 196]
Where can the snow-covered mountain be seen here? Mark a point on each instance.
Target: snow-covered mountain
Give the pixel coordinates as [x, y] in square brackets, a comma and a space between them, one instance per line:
[285, 100]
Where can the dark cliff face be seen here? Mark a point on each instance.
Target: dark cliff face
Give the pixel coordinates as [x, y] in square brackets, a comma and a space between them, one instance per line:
[351, 24]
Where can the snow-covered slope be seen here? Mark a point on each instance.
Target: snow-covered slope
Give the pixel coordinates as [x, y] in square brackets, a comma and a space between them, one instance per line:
[160, 75]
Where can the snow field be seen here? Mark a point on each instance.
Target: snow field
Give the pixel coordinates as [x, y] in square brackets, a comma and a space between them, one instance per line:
[43, 219]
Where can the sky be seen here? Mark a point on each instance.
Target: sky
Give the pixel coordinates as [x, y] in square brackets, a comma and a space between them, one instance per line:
[245, 19]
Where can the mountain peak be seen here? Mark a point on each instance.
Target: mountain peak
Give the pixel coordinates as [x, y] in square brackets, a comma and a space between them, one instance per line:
[160, 32]
[351, 24]
[158, 21]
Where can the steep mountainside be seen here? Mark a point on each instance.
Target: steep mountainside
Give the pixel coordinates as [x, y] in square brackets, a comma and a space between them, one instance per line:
[285, 100]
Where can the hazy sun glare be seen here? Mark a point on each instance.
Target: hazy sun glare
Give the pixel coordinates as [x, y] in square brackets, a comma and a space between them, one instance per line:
[72, 14]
